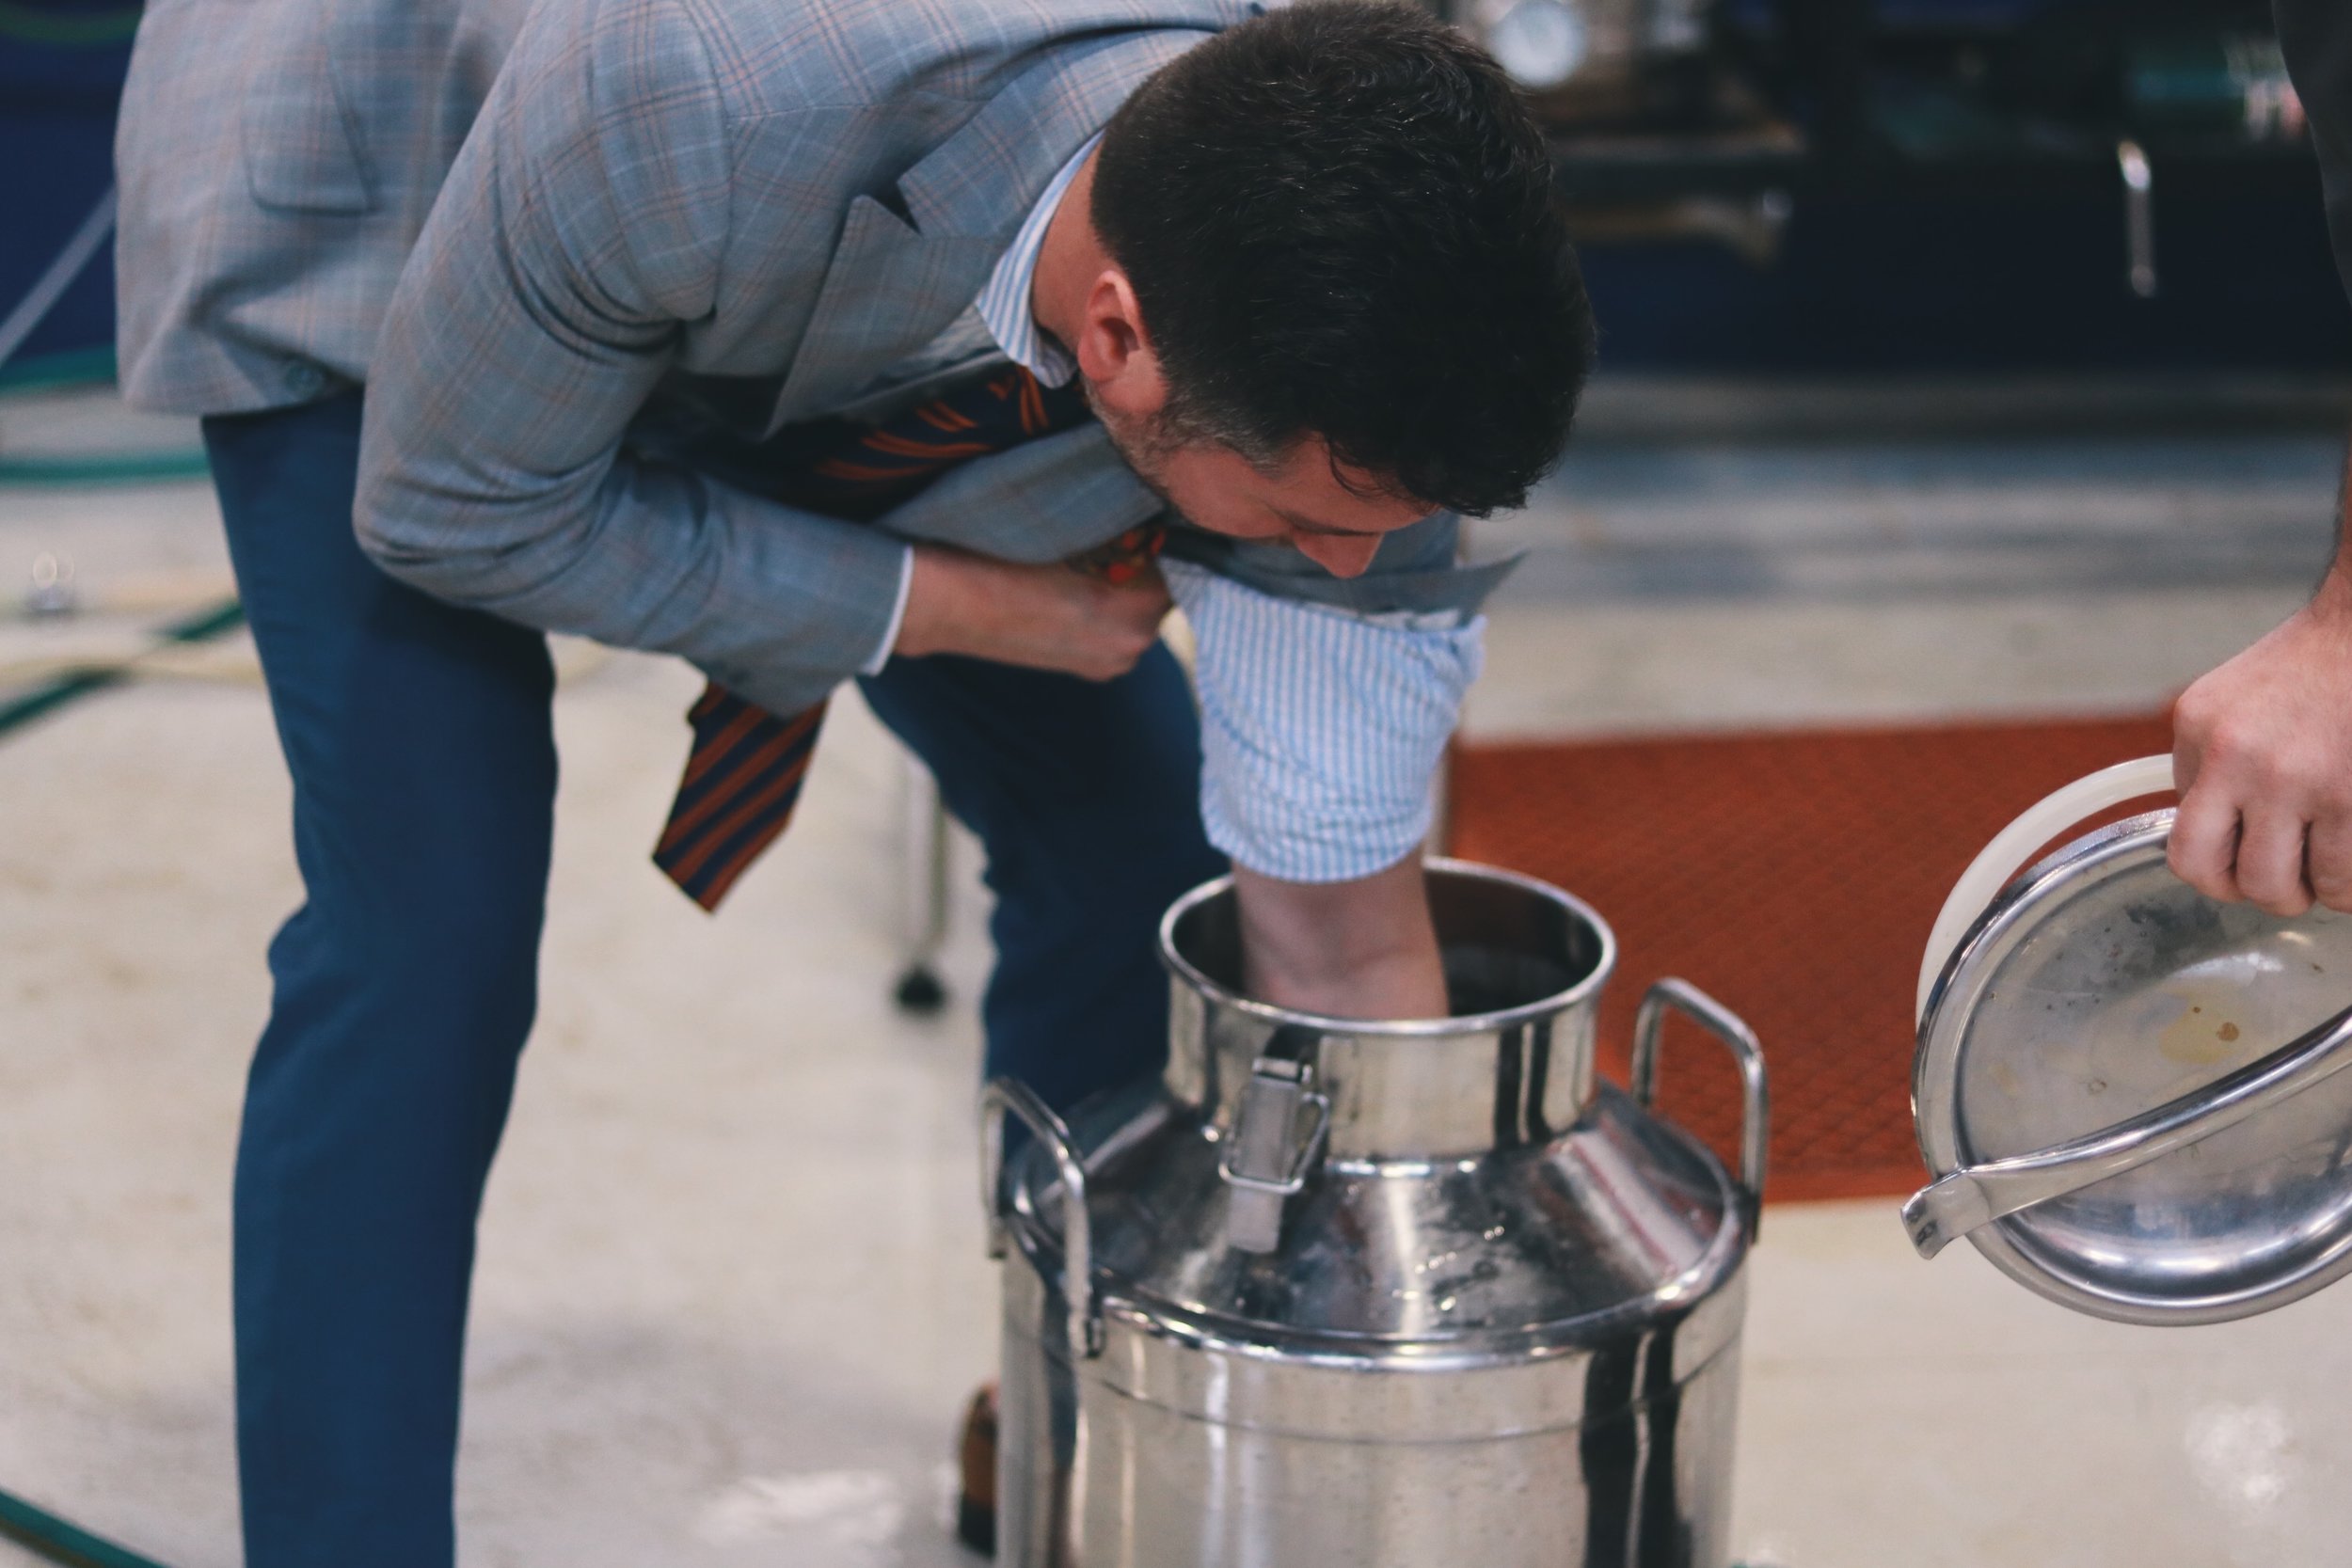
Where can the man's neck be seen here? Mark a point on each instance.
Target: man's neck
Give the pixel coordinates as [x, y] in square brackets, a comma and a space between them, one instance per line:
[1067, 263]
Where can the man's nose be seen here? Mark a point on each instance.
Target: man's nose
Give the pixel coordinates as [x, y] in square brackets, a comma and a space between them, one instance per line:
[1341, 557]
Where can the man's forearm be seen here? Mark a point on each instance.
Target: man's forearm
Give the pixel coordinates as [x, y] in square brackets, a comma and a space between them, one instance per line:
[1363, 950]
[1044, 617]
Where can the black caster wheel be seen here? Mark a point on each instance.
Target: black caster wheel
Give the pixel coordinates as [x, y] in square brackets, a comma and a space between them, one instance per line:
[919, 992]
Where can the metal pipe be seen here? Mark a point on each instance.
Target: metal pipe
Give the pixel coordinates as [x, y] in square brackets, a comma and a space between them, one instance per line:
[50, 285]
[2139, 218]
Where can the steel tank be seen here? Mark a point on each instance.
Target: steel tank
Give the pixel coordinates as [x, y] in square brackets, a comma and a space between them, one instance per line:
[1383, 1294]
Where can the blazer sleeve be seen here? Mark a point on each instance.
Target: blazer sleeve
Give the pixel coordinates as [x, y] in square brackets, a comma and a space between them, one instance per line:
[584, 224]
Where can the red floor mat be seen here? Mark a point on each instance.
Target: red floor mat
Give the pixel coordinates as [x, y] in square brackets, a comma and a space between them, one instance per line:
[1794, 875]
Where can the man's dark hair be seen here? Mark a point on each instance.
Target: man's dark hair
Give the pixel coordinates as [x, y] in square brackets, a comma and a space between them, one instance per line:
[1340, 220]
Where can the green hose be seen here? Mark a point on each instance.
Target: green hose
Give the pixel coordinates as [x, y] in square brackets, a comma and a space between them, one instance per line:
[47, 1536]
[129, 467]
[85, 367]
[68, 29]
[74, 684]
[79, 367]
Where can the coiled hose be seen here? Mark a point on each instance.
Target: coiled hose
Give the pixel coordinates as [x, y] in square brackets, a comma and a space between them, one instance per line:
[47, 1536]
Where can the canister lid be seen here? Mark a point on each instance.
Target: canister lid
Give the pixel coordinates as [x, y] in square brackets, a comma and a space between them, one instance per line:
[2129, 1091]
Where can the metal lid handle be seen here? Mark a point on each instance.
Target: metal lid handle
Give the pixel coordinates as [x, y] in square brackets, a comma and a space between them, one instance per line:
[1978, 1195]
[1727, 1026]
[1004, 1095]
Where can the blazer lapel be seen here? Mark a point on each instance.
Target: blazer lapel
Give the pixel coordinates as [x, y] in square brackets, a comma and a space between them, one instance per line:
[889, 290]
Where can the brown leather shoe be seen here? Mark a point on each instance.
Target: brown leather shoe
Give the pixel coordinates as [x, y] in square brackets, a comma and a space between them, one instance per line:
[976, 1457]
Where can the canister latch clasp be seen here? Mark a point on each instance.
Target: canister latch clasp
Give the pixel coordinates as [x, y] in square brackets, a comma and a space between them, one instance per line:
[1278, 1133]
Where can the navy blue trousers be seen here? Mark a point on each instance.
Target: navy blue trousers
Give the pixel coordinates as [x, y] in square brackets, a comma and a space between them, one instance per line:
[418, 740]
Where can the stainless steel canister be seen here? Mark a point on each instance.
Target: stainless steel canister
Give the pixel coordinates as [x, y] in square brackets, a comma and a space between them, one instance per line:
[1383, 1294]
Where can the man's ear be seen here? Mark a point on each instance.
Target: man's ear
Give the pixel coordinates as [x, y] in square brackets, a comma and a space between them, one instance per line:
[1114, 352]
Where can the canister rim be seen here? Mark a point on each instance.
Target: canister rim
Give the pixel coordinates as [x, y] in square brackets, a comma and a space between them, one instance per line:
[1457, 1025]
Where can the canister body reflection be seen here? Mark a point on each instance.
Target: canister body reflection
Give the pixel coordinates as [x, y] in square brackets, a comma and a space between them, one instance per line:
[1388, 1295]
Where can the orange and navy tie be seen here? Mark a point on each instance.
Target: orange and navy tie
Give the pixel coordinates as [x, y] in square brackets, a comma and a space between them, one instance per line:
[744, 774]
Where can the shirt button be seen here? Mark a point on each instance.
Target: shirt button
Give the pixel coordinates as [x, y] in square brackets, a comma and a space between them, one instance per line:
[304, 379]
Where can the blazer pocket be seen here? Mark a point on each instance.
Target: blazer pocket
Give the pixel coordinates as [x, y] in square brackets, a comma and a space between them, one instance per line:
[302, 146]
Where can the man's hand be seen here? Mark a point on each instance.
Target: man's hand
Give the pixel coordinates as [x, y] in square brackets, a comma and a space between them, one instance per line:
[1360, 949]
[2262, 754]
[1044, 617]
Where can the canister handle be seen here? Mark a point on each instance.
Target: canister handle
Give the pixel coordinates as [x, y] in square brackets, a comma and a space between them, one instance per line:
[1004, 1095]
[1978, 1195]
[1728, 1027]
[2006, 855]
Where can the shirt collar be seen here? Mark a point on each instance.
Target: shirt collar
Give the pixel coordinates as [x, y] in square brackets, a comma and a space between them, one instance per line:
[1003, 303]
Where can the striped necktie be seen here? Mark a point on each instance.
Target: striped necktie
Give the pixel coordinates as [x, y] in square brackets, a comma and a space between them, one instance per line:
[744, 773]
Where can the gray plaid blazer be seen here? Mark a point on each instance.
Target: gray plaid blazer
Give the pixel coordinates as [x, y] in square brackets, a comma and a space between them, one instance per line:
[550, 238]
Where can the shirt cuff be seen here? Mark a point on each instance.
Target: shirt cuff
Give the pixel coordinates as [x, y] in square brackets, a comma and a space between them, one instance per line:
[1321, 731]
[898, 615]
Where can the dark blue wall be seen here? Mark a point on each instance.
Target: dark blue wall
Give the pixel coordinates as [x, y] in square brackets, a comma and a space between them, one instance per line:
[61, 64]
[1988, 280]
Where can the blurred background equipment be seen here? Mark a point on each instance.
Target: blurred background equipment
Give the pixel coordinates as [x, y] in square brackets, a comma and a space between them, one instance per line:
[1931, 184]
[1762, 184]
[1591, 58]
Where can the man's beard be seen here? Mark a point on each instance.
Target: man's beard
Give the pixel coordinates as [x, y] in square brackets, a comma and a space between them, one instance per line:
[1143, 444]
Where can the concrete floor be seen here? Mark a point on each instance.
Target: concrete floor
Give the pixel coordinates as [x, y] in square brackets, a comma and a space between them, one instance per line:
[732, 1291]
